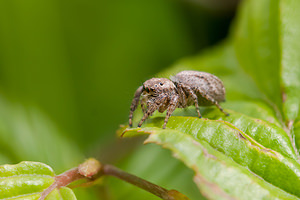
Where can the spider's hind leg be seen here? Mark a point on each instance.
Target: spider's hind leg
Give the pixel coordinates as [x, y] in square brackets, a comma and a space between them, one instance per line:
[209, 98]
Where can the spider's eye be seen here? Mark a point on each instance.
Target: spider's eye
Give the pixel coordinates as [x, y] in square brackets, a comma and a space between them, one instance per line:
[155, 85]
[161, 84]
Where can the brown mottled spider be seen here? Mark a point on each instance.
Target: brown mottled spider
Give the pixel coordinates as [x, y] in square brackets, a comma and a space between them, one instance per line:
[184, 89]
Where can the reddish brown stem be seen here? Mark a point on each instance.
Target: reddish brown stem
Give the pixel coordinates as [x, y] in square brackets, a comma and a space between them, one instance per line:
[134, 180]
[92, 169]
[61, 180]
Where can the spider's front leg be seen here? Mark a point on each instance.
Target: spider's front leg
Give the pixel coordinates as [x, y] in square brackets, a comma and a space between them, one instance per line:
[143, 102]
[172, 106]
[135, 103]
[152, 106]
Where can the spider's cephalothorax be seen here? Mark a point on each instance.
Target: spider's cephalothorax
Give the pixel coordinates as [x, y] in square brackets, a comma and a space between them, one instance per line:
[184, 89]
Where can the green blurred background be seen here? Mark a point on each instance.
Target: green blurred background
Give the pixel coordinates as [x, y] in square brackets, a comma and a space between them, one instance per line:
[80, 61]
[69, 69]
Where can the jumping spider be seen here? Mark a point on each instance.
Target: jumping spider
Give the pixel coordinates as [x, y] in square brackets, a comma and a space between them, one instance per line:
[184, 89]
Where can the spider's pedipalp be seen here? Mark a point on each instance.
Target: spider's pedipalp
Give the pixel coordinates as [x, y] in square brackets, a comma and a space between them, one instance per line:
[153, 105]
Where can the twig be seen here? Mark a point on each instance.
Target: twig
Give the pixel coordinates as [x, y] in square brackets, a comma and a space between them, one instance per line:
[92, 169]
[61, 180]
[134, 180]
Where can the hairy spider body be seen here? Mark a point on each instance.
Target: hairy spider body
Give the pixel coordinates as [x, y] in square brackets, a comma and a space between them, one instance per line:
[184, 89]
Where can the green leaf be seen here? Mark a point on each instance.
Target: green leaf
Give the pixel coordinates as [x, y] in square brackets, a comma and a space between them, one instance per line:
[257, 46]
[290, 59]
[27, 180]
[255, 109]
[296, 133]
[239, 146]
[266, 44]
[214, 170]
[24, 179]
[265, 133]
[63, 193]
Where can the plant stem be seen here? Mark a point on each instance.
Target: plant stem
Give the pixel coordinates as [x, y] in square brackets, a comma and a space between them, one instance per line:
[61, 180]
[134, 180]
[93, 169]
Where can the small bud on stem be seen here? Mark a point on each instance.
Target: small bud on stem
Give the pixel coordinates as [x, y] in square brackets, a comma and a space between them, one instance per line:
[92, 169]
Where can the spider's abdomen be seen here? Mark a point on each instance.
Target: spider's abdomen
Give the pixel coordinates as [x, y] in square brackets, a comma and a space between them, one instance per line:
[204, 82]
